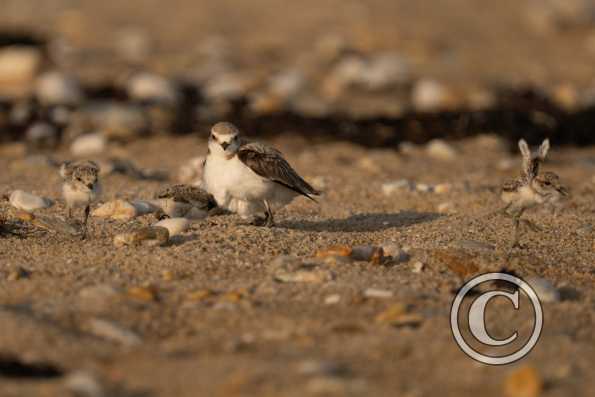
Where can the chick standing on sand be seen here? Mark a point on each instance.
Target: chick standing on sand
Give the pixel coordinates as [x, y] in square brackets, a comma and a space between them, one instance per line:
[250, 178]
[81, 187]
[530, 189]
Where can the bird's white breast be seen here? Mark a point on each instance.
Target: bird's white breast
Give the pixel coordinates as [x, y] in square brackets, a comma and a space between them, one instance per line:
[77, 198]
[229, 179]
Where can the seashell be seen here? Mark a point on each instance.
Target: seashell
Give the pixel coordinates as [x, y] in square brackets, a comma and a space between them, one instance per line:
[174, 225]
[28, 202]
[88, 144]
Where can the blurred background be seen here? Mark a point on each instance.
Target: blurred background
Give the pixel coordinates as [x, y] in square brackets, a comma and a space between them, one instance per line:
[370, 71]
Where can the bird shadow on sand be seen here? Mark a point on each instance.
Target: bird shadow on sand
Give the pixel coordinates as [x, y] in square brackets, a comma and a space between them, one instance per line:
[363, 222]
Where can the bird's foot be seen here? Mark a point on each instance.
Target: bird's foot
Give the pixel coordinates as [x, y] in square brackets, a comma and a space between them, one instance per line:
[534, 227]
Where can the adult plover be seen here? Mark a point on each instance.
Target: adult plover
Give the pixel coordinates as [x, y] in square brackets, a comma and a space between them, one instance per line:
[250, 178]
[81, 187]
[182, 200]
[530, 189]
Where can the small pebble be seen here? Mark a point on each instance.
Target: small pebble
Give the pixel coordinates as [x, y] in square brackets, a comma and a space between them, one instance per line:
[83, 384]
[431, 96]
[390, 188]
[152, 88]
[440, 150]
[584, 230]
[18, 274]
[378, 293]
[28, 202]
[442, 188]
[368, 253]
[145, 294]
[332, 299]
[175, 226]
[56, 88]
[544, 289]
[113, 332]
[424, 188]
[524, 381]
[18, 66]
[88, 145]
[418, 267]
[446, 207]
[338, 250]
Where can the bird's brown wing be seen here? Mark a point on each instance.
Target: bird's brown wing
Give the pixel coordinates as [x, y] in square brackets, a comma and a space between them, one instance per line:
[269, 163]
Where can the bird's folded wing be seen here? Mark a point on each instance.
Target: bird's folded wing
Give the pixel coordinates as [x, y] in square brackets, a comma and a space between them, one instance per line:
[269, 163]
[187, 194]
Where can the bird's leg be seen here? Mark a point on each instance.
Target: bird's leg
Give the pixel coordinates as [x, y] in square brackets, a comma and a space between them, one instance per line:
[270, 219]
[517, 223]
[87, 211]
[69, 212]
[531, 225]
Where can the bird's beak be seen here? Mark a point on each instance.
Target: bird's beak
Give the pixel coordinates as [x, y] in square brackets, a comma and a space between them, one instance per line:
[225, 145]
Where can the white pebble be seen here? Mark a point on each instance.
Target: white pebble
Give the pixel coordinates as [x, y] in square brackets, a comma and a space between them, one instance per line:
[418, 267]
[114, 332]
[152, 87]
[440, 150]
[378, 293]
[28, 202]
[57, 88]
[332, 299]
[430, 96]
[446, 208]
[88, 144]
[83, 384]
[174, 225]
[392, 187]
[424, 188]
[544, 289]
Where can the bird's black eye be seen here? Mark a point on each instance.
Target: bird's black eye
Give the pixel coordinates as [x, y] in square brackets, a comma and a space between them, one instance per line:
[547, 183]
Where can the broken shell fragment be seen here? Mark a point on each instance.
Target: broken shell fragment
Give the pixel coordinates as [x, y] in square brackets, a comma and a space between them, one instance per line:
[28, 202]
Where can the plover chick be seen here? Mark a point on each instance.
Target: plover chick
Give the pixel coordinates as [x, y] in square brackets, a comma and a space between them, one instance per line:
[530, 189]
[180, 200]
[81, 187]
[250, 178]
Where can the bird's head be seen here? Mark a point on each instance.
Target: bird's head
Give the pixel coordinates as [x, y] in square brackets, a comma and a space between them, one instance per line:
[224, 139]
